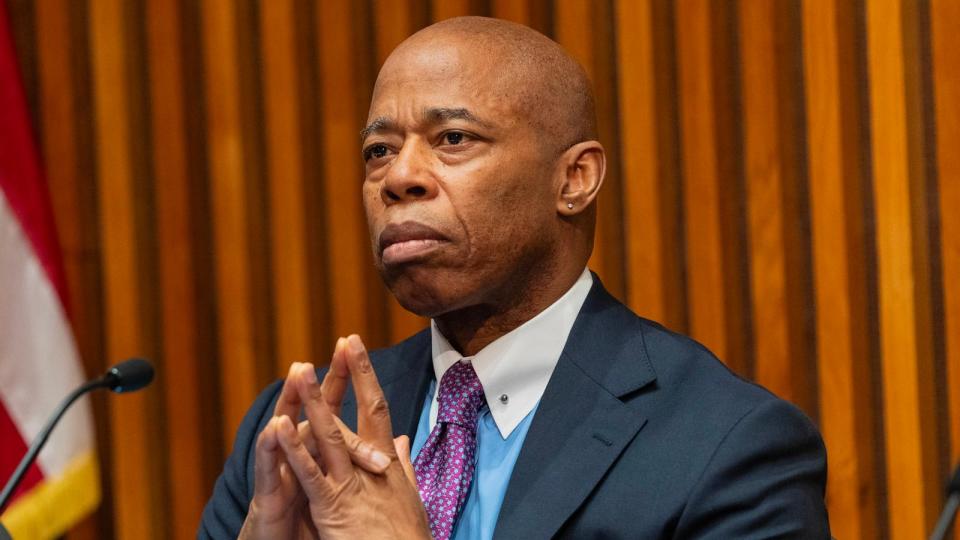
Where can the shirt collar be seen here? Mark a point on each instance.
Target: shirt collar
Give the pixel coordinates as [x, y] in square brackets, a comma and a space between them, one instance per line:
[518, 364]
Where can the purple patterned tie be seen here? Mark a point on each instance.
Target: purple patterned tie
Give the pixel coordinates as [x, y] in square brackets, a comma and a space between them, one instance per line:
[445, 464]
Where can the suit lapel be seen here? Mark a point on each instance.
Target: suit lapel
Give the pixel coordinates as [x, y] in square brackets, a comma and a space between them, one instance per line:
[581, 426]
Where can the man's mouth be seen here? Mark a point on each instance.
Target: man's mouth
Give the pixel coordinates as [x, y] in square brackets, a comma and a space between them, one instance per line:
[407, 241]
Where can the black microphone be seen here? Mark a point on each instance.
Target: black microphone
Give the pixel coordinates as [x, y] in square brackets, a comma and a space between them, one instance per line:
[949, 509]
[127, 376]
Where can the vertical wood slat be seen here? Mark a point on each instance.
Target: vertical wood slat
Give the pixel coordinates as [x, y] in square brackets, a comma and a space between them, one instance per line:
[838, 201]
[352, 284]
[390, 29]
[707, 147]
[180, 319]
[772, 176]
[651, 209]
[945, 19]
[71, 185]
[843, 348]
[533, 13]
[135, 510]
[286, 178]
[229, 175]
[903, 264]
[581, 27]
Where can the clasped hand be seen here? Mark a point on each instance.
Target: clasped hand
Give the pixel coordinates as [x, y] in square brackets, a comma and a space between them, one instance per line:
[318, 479]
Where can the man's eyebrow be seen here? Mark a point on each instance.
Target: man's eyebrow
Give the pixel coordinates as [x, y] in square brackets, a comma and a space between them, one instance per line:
[443, 114]
[432, 115]
[379, 123]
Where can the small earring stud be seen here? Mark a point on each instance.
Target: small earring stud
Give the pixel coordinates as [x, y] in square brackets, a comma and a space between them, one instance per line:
[570, 205]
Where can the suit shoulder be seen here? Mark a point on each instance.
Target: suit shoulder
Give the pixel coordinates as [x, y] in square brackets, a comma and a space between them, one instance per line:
[682, 363]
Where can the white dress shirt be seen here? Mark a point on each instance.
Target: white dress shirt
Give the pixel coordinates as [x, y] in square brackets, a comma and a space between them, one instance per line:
[515, 368]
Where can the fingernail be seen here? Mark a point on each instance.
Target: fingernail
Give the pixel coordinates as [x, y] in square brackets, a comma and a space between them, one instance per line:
[380, 459]
[355, 344]
[311, 374]
[341, 343]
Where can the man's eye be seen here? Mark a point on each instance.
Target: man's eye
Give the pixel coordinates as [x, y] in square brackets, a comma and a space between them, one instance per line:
[453, 137]
[375, 151]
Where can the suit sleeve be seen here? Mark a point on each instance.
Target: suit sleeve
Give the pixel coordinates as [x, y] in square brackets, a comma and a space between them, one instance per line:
[227, 508]
[766, 479]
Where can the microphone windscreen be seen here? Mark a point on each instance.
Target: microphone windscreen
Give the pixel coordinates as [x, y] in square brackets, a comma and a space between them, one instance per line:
[129, 375]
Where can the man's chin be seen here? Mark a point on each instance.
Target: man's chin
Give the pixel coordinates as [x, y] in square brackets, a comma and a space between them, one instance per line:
[424, 293]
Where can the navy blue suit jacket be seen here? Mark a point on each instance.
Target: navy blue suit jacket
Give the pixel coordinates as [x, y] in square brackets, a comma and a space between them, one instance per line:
[641, 433]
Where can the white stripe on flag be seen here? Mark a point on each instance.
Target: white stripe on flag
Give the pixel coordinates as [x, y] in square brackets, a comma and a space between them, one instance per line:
[39, 363]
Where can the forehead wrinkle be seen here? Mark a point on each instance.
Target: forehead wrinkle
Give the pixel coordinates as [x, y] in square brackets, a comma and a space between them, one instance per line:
[445, 114]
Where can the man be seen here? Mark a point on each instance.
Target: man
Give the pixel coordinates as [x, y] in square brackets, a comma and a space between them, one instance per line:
[538, 405]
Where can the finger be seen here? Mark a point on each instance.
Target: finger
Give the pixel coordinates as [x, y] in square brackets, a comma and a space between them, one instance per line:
[335, 381]
[266, 463]
[329, 439]
[289, 401]
[402, 445]
[362, 453]
[303, 430]
[373, 414]
[304, 467]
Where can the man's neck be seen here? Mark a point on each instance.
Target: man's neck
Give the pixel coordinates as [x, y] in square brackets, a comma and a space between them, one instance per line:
[472, 328]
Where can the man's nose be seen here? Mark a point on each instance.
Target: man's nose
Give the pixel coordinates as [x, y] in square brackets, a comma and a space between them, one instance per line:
[410, 176]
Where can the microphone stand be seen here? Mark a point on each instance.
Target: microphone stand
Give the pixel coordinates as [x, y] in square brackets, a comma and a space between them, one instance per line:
[126, 376]
[41, 439]
[949, 509]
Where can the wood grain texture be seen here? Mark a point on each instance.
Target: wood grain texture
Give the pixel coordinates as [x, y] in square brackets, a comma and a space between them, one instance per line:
[709, 154]
[647, 90]
[775, 213]
[180, 313]
[65, 131]
[944, 20]
[229, 194]
[286, 179]
[903, 268]
[134, 457]
[843, 348]
[783, 187]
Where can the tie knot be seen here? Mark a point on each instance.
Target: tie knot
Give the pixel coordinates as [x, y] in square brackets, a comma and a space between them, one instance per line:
[460, 396]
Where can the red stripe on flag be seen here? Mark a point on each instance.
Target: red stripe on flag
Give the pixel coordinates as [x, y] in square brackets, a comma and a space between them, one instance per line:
[21, 179]
[11, 452]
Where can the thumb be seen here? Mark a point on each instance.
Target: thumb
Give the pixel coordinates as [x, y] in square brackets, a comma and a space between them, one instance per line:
[402, 445]
[362, 453]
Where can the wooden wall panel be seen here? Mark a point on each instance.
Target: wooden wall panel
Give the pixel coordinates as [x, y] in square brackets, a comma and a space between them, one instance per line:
[286, 178]
[181, 318]
[651, 195]
[773, 155]
[899, 186]
[843, 345]
[229, 176]
[783, 179]
[944, 20]
[135, 476]
[711, 179]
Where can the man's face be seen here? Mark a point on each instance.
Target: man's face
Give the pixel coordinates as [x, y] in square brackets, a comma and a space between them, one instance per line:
[459, 191]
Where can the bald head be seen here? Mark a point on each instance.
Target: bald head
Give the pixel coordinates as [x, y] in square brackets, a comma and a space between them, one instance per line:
[530, 73]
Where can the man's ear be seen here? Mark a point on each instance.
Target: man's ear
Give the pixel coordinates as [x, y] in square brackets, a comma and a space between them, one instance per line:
[583, 168]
